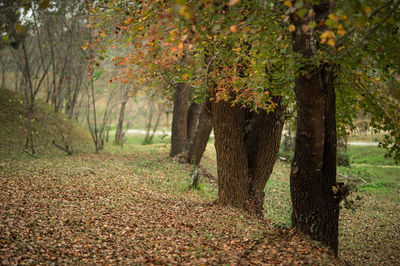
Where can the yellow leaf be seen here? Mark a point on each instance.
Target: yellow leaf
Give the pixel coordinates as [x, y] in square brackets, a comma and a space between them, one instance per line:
[331, 42]
[327, 35]
[234, 28]
[368, 10]
[341, 31]
[292, 27]
[334, 17]
[180, 46]
[288, 3]
[340, 48]
[233, 2]
[186, 12]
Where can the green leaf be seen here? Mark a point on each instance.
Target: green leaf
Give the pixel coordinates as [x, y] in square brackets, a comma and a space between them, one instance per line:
[312, 24]
[181, 2]
[361, 22]
[5, 38]
[331, 23]
[302, 12]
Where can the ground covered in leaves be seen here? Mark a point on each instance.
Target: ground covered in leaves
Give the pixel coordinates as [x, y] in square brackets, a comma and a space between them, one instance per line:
[133, 206]
[129, 208]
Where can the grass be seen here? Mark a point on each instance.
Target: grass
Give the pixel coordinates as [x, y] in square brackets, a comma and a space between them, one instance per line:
[47, 127]
[381, 174]
[370, 234]
[370, 155]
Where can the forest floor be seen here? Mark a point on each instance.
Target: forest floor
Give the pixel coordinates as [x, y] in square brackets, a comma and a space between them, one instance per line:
[132, 205]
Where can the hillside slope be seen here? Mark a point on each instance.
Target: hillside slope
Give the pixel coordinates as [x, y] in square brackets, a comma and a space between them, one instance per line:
[47, 125]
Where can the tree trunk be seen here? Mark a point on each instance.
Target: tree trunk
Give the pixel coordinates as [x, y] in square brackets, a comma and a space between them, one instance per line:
[313, 173]
[247, 146]
[202, 134]
[179, 120]
[16, 77]
[193, 117]
[262, 137]
[160, 111]
[74, 101]
[148, 126]
[3, 77]
[120, 126]
[231, 155]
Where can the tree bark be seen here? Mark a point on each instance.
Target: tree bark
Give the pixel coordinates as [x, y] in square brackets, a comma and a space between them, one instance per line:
[193, 117]
[3, 75]
[120, 126]
[202, 134]
[179, 120]
[262, 138]
[231, 155]
[247, 145]
[313, 174]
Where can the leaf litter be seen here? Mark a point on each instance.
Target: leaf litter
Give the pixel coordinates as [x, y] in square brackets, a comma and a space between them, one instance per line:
[108, 209]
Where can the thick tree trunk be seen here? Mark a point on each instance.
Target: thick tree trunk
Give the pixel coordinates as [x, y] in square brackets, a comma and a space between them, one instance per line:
[231, 155]
[313, 173]
[179, 120]
[262, 137]
[247, 145]
[202, 134]
[193, 117]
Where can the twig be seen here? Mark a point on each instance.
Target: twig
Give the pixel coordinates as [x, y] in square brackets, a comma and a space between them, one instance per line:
[62, 148]
[28, 152]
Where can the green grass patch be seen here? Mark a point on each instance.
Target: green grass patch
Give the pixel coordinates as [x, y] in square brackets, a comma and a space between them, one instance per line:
[369, 155]
[371, 170]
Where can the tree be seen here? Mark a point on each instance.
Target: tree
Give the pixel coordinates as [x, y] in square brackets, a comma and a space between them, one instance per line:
[119, 133]
[30, 59]
[315, 193]
[246, 158]
[313, 174]
[179, 137]
[256, 68]
[202, 134]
